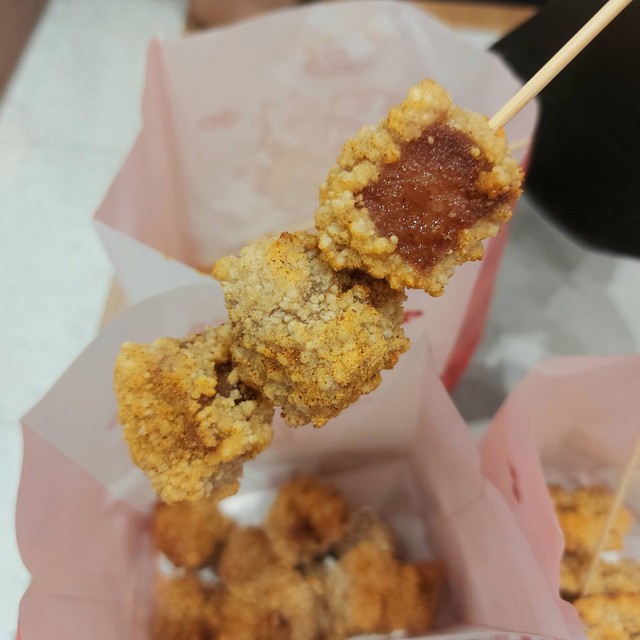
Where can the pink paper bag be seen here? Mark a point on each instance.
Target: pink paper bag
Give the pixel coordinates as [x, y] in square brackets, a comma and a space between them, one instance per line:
[83, 507]
[570, 420]
[242, 124]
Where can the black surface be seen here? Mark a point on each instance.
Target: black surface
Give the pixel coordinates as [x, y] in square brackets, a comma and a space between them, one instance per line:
[585, 169]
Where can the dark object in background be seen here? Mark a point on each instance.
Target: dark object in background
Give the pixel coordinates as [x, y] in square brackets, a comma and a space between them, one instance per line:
[585, 169]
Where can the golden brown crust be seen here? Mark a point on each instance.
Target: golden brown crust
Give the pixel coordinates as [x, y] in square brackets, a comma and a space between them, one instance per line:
[370, 591]
[306, 520]
[312, 339]
[610, 617]
[190, 534]
[610, 577]
[189, 422]
[349, 238]
[582, 513]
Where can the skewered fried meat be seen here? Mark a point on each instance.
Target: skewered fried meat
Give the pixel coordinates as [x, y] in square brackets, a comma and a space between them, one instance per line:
[311, 339]
[189, 421]
[414, 196]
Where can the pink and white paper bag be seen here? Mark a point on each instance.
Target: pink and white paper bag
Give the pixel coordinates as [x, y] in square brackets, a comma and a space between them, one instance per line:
[83, 507]
[241, 126]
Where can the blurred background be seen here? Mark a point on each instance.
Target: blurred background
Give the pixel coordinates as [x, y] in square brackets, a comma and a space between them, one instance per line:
[71, 75]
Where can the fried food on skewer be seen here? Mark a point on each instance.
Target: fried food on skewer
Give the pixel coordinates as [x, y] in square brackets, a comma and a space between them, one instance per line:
[311, 339]
[306, 520]
[582, 513]
[413, 197]
[189, 421]
[610, 617]
[190, 534]
[622, 576]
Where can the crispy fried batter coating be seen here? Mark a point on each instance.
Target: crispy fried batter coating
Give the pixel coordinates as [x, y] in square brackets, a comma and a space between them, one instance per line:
[188, 420]
[279, 604]
[610, 577]
[610, 617]
[365, 525]
[306, 520]
[370, 591]
[582, 513]
[413, 197]
[247, 553]
[311, 339]
[190, 534]
[182, 609]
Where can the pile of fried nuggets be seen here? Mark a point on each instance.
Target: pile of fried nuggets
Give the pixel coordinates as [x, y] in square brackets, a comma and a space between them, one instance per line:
[611, 609]
[316, 570]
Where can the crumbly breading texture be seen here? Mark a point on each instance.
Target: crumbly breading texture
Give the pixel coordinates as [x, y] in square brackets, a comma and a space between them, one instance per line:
[190, 534]
[610, 577]
[188, 420]
[306, 520]
[582, 513]
[610, 617]
[311, 339]
[370, 591]
[349, 238]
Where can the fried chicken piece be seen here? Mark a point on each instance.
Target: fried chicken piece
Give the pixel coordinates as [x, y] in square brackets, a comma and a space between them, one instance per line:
[582, 513]
[610, 617]
[311, 339]
[610, 577]
[190, 534]
[369, 591]
[306, 520]
[183, 609]
[278, 604]
[365, 525]
[247, 554]
[188, 420]
[413, 197]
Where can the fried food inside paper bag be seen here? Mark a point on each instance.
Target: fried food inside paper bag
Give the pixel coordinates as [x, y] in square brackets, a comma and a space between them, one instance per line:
[311, 339]
[354, 582]
[188, 419]
[411, 198]
[611, 608]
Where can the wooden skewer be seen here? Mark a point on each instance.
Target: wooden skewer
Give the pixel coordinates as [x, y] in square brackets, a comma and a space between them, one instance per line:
[559, 61]
[620, 493]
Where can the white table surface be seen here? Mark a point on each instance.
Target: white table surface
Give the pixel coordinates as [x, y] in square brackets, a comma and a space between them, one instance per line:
[66, 123]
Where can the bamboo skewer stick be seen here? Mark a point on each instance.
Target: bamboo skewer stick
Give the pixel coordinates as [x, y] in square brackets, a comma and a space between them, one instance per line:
[558, 62]
[620, 493]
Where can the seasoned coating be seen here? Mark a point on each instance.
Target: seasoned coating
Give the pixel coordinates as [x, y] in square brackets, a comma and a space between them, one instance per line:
[582, 513]
[365, 525]
[311, 339]
[279, 604]
[246, 554]
[413, 197]
[182, 609]
[610, 577]
[190, 534]
[369, 591]
[610, 617]
[306, 520]
[188, 420]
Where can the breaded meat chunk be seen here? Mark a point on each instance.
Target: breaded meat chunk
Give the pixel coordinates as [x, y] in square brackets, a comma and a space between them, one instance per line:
[182, 608]
[610, 617]
[279, 604]
[247, 554]
[189, 421]
[582, 514]
[413, 197]
[311, 339]
[610, 577]
[306, 519]
[190, 534]
[369, 591]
